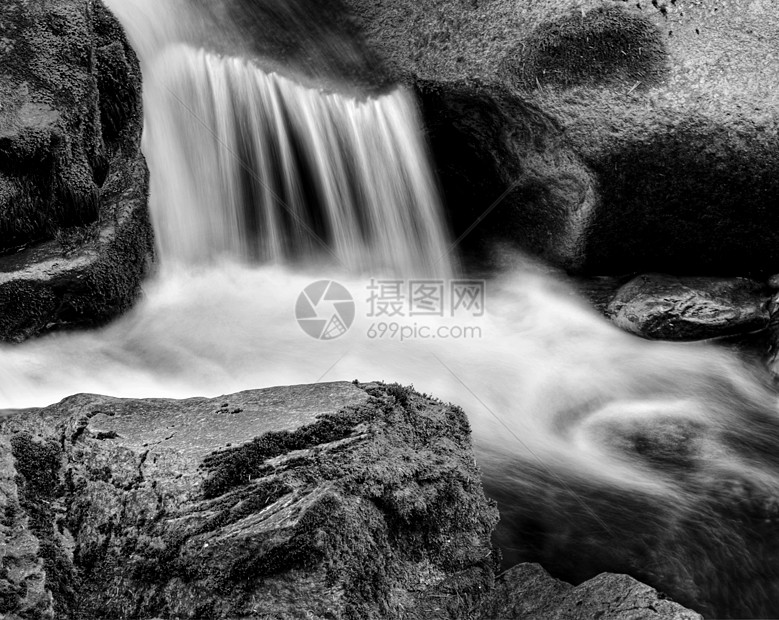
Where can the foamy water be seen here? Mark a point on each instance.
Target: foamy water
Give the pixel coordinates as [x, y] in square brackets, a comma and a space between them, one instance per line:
[540, 374]
[605, 451]
[601, 448]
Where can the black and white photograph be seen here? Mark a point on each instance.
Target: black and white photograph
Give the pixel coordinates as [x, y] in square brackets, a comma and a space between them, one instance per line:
[389, 309]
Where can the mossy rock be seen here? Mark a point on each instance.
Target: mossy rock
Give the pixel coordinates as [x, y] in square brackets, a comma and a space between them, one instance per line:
[607, 46]
[322, 501]
[75, 236]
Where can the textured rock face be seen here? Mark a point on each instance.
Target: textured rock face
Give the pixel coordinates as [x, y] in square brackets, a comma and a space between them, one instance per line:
[528, 592]
[604, 46]
[672, 308]
[74, 231]
[660, 139]
[325, 501]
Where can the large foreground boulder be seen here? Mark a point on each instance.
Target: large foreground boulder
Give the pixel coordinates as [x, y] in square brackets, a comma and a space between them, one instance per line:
[605, 136]
[334, 501]
[75, 236]
[322, 501]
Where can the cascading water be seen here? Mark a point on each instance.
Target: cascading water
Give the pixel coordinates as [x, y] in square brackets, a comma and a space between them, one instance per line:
[605, 452]
[261, 168]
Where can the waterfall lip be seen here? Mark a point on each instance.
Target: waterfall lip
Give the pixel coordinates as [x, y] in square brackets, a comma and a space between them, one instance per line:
[323, 84]
[152, 26]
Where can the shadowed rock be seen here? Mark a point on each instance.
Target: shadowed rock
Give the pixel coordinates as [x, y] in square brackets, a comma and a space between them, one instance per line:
[506, 172]
[661, 136]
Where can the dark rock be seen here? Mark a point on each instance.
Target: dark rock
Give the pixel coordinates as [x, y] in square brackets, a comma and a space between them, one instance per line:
[75, 237]
[506, 172]
[332, 501]
[86, 276]
[527, 592]
[675, 308]
[606, 46]
[660, 138]
[773, 335]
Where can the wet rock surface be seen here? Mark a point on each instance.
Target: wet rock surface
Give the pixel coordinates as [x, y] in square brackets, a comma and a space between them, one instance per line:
[687, 308]
[659, 133]
[528, 592]
[500, 161]
[75, 237]
[326, 501]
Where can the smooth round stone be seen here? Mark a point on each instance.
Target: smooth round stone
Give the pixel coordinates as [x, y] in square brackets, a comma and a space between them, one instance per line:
[689, 308]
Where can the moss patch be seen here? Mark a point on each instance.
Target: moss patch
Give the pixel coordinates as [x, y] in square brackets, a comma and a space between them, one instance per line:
[234, 467]
[38, 466]
[603, 47]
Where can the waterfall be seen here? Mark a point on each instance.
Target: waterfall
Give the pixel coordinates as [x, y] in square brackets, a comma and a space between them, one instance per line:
[266, 170]
[604, 451]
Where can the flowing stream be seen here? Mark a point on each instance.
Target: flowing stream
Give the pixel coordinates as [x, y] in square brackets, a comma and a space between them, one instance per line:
[605, 452]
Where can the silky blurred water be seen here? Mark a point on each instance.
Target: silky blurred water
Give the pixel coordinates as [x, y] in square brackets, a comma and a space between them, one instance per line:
[605, 452]
[260, 168]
